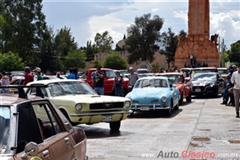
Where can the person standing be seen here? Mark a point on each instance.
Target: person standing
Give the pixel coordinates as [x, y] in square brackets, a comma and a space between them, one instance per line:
[98, 81]
[5, 81]
[28, 75]
[132, 79]
[118, 85]
[38, 73]
[236, 88]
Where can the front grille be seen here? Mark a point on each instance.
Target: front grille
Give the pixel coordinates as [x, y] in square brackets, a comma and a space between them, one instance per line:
[106, 105]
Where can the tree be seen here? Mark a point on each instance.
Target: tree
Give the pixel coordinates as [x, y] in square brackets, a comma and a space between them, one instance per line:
[90, 50]
[142, 37]
[115, 61]
[64, 42]
[169, 43]
[103, 41]
[10, 62]
[234, 54]
[25, 24]
[75, 59]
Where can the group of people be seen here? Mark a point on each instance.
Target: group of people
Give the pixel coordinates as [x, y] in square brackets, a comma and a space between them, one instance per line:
[231, 95]
[98, 81]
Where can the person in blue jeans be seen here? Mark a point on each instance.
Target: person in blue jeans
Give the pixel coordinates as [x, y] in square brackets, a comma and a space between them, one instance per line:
[118, 85]
[228, 85]
[98, 81]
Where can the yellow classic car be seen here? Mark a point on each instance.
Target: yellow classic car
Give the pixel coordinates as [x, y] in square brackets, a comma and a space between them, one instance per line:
[81, 104]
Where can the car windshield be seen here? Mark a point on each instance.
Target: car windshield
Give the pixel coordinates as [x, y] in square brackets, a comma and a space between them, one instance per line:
[68, 88]
[110, 74]
[5, 130]
[142, 71]
[156, 83]
[205, 76]
[222, 71]
[174, 79]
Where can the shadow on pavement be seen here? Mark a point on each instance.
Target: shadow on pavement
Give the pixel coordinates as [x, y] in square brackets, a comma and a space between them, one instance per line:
[206, 97]
[155, 114]
[93, 132]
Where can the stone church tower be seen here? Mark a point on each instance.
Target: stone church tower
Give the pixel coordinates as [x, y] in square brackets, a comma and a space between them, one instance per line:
[196, 49]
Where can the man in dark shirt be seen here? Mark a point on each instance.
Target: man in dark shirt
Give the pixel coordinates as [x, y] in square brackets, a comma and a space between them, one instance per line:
[28, 75]
[98, 80]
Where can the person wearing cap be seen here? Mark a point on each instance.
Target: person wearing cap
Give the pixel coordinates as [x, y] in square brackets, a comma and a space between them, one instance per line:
[132, 78]
[38, 73]
[28, 75]
[236, 88]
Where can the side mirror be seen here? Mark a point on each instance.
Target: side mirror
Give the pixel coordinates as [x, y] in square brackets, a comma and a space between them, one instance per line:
[31, 149]
[171, 86]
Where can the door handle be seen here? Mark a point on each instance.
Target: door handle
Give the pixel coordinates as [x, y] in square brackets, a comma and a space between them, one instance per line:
[45, 153]
[66, 140]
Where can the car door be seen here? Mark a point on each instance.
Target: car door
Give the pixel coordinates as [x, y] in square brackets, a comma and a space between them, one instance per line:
[38, 123]
[58, 141]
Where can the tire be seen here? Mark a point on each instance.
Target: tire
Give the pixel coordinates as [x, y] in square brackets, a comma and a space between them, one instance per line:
[181, 100]
[170, 110]
[115, 126]
[189, 98]
[176, 107]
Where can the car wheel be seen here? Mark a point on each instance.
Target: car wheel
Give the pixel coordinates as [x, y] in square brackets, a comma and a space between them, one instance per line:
[115, 126]
[176, 107]
[170, 110]
[181, 100]
[189, 98]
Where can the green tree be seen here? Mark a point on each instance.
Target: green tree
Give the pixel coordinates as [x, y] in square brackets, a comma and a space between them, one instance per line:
[75, 59]
[234, 54]
[103, 41]
[169, 43]
[64, 42]
[10, 62]
[115, 61]
[25, 24]
[90, 50]
[142, 37]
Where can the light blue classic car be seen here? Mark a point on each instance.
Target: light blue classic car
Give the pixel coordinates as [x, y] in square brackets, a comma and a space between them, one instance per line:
[154, 93]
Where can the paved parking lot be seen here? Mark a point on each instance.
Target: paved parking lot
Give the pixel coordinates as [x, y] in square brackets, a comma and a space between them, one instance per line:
[202, 127]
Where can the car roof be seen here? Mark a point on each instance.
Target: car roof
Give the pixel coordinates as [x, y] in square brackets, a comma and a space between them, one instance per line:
[170, 73]
[93, 69]
[46, 82]
[153, 77]
[11, 99]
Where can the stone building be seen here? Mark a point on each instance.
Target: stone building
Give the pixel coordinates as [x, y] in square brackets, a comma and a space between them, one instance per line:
[196, 49]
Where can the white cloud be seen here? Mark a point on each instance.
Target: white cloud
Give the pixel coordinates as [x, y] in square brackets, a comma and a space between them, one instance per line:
[115, 26]
[227, 25]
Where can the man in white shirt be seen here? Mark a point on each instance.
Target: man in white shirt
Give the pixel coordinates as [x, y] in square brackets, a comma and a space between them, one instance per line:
[236, 89]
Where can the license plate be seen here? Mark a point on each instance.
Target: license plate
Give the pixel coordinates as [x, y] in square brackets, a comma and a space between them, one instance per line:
[197, 90]
[107, 119]
[144, 108]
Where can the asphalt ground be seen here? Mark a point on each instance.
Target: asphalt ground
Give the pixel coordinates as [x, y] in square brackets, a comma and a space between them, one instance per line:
[203, 129]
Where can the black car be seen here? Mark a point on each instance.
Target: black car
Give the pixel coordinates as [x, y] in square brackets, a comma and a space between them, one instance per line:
[207, 83]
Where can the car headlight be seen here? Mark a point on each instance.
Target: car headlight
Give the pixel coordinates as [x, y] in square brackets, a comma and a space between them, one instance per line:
[164, 99]
[78, 107]
[127, 104]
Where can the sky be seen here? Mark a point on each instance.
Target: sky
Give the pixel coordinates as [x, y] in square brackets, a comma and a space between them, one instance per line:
[85, 18]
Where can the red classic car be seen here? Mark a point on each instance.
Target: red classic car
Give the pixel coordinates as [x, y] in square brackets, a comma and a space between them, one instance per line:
[109, 80]
[177, 79]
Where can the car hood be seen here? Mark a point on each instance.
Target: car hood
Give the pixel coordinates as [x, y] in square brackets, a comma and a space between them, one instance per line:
[90, 98]
[3, 157]
[148, 93]
[202, 82]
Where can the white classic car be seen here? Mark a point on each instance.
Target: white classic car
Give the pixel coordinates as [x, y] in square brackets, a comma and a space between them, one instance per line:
[81, 104]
